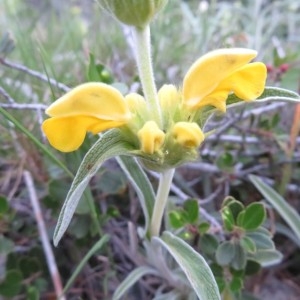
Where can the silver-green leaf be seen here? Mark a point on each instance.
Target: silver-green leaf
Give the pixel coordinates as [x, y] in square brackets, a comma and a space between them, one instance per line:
[269, 94]
[193, 265]
[131, 279]
[286, 211]
[140, 183]
[109, 145]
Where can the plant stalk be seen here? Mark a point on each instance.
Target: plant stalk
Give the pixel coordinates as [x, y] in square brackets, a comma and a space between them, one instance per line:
[161, 201]
[142, 44]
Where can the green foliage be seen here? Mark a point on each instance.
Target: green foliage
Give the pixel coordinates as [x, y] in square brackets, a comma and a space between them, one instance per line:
[194, 266]
[55, 41]
[109, 145]
[12, 284]
[98, 72]
[187, 215]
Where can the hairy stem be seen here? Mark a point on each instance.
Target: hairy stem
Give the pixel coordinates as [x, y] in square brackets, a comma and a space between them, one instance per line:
[161, 201]
[142, 45]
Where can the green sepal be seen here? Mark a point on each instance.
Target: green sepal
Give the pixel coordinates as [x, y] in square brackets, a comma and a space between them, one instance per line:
[109, 145]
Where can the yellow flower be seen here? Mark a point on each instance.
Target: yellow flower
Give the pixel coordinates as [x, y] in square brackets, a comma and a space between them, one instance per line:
[188, 134]
[90, 107]
[151, 137]
[95, 107]
[213, 76]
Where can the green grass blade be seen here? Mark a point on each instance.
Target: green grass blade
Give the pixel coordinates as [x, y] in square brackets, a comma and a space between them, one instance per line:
[131, 279]
[193, 265]
[78, 269]
[286, 211]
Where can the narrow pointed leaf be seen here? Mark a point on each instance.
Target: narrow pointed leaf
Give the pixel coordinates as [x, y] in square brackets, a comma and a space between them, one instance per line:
[78, 269]
[267, 258]
[269, 94]
[109, 145]
[131, 279]
[286, 211]
[140, 183]
[193, 265]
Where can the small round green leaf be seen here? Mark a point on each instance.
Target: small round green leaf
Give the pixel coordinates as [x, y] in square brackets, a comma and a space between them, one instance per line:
[29, 266]
[12, 284]
[191, 207]
[236, 284]
[261, 240]
[208, 243]
[252, 267]
[239, 260]
[225, 253]
[225, 161]
[255, 215]
[227, 200]
[267, 257]
[221, 283]
[203, 227]
[176, 220]
[236, 207]
[227, 218]
[240, 218]
[248, 244]
[32, 293]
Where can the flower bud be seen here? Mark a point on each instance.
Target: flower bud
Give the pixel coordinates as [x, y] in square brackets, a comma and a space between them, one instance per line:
[137, 13]
[151, 137]
[188, 134]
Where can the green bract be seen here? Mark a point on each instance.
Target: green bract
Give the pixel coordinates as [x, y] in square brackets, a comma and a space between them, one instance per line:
[137, 13]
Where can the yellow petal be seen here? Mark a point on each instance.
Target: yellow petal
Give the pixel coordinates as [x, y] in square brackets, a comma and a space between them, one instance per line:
[67, 133]
[92, 99]
[216, 99]
[151, 137]
[247, 82]
[188, 134]
[102, 125]
[210, 70]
